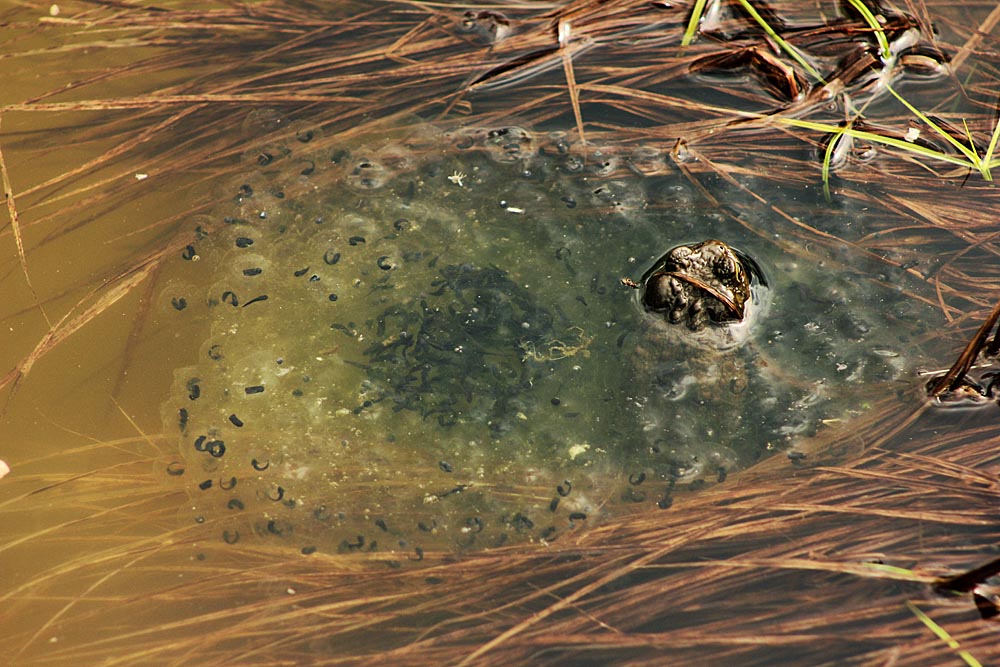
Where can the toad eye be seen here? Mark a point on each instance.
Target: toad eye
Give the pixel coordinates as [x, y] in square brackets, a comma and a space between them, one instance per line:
[726, 266]
[659, 292]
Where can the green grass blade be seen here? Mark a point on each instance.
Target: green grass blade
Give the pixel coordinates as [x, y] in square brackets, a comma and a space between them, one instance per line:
[785, 46]
[988, 157]
[943, 635]
[984, 167]
[965, 150]
[877, 138]
[827, 155]
[874, 24]
[692, 26]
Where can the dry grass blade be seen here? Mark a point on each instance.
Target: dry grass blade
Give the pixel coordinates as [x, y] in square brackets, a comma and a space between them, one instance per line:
[92, 306]
[565, 31]
[976, 37]
[15, 225]
[956, 374]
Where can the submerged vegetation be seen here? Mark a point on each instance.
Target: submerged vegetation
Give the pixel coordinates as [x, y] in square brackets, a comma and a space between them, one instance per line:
[872, 541]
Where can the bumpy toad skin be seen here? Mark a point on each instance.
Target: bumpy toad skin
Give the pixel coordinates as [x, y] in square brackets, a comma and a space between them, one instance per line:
[698, 284]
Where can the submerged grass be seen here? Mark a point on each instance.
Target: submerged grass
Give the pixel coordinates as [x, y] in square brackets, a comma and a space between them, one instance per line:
[815, 562]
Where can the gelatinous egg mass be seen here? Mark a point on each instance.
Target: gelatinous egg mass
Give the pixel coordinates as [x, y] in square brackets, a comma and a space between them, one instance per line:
[419, 340]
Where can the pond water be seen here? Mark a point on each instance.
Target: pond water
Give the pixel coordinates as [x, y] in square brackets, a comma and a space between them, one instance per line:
[370, 346]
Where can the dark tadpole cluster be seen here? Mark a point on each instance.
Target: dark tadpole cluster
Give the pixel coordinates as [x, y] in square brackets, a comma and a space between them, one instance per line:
[458, 353]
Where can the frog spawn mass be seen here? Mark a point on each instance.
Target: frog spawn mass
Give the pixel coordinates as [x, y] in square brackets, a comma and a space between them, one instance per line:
[418, 342]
